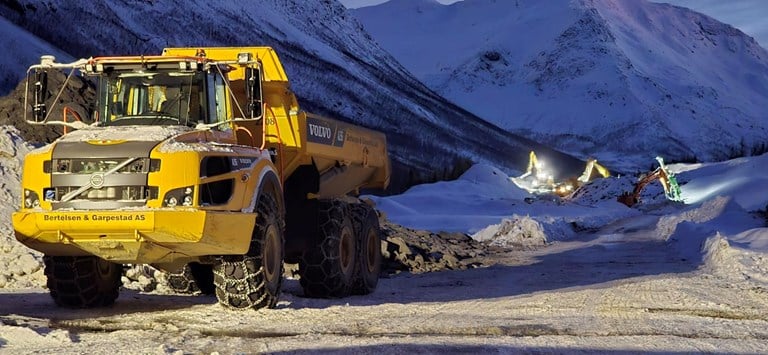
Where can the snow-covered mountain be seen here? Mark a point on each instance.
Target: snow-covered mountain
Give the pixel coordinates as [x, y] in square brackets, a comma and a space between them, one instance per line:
[335, 67]
[620, 80]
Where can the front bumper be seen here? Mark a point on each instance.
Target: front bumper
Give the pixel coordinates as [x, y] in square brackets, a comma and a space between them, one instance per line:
[135, 237]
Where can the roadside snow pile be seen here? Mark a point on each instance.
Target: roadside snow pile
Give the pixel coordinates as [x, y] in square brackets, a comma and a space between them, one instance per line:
[727, 240]
[523, 232]
[744, 179]
[22, 336]
[491, 179]
[720, 214]
[722, 255]
[20, 267]
[753, 247]
[483, 195]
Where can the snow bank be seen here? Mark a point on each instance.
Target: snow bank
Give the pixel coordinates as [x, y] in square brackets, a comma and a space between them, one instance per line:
[493, 181]
[483, 195]
[720, 214]
[601, 191]
[744, 179]
[722, 257]
[20, 336]
[524, 232]
[727, 240]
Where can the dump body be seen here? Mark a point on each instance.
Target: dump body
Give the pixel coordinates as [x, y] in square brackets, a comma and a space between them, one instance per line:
[348, 157]
[167, 194]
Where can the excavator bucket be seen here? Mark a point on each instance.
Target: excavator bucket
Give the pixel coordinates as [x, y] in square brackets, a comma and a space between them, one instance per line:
[628, 199]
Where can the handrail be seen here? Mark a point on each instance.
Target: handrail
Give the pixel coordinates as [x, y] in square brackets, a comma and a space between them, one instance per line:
[67, 109]
[279, 139]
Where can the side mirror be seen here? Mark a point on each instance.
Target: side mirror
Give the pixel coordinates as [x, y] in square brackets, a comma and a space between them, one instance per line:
[39, 110]
[253, 91]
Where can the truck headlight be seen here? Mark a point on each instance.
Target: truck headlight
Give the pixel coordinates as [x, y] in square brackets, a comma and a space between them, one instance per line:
[31, 199]
[178, 196]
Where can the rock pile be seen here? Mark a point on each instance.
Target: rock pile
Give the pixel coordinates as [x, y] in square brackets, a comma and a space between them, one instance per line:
[419, 251]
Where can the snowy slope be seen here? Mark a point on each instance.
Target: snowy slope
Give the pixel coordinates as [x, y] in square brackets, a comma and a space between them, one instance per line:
[620, 80]
[335, 67]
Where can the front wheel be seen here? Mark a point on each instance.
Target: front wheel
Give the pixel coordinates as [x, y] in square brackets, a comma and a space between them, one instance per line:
[253, 280]
[82, 281]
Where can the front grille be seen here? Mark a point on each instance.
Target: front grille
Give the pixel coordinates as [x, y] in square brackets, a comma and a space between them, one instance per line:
[101, 183]
[92, 166]
[111, 193]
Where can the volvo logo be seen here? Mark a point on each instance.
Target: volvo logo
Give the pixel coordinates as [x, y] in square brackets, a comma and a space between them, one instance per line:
[97, 180]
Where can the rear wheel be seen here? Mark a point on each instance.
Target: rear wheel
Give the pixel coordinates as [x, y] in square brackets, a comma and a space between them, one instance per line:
[253, 280]
[327, 268]
[192, 278]
[82, 281]
[368, 234]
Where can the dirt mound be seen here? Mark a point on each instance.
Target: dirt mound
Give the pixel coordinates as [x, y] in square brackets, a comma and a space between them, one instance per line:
[419, 251]
[76, 94]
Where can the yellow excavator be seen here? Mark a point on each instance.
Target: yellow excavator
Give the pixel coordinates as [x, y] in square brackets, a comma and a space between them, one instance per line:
[538, 179]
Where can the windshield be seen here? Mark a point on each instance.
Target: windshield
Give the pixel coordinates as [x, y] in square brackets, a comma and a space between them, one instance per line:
[153, 98]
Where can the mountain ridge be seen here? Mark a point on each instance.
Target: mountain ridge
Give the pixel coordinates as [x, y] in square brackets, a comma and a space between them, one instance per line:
[334, 67]
[617, 80]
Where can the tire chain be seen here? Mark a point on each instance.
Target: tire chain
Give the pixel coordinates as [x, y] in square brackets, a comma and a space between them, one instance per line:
[361, 213]
[193, 278]
[182, 281]
[239, 279]
[319, 269]
[76, 282]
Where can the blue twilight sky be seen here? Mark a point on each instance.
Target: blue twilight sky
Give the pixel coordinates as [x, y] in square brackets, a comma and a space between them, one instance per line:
[750, 16]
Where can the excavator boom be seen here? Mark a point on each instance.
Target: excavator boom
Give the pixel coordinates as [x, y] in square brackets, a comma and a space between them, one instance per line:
[667, 180]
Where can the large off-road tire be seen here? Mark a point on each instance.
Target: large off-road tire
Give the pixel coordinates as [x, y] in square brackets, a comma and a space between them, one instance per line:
[82, 281]
[192, 278]
[327, 269]
[368, 234]
[253, 280]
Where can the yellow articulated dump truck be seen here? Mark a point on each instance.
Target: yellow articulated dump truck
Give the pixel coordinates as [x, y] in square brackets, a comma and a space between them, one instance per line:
[198, 162]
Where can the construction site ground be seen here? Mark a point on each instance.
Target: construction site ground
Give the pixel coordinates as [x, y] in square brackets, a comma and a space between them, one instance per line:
[595, 293]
